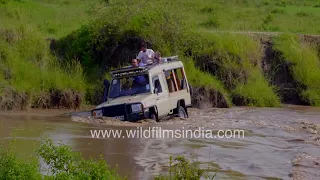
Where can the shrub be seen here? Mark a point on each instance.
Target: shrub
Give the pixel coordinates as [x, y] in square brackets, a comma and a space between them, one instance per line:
[181, 168]
[63, 163]
[13, 168]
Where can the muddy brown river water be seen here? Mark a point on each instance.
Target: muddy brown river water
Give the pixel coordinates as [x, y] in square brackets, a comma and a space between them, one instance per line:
[278, 143]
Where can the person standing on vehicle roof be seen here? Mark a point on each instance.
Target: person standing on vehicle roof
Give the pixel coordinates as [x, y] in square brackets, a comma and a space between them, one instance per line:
[146, 55]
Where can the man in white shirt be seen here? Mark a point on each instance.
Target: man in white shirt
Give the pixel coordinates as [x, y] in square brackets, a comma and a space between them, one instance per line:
[146, 55]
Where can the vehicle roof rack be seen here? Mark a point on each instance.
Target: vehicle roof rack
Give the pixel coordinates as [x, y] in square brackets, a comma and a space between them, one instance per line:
[127, 71]
[171, 58]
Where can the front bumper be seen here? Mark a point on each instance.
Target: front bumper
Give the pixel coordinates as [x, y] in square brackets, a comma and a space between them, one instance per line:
[122, 112]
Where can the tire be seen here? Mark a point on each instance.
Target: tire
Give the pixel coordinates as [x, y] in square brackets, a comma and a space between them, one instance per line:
[153, 115]
[182, 112]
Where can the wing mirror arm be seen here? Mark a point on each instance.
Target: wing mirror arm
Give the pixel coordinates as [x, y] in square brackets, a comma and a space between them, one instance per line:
[156, 91]
[106, 84]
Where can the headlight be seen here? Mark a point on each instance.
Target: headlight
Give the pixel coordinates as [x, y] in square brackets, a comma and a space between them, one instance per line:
[97, 113]
[136, 108]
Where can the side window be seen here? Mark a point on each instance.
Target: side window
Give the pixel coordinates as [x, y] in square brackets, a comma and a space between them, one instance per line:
[176, 79]
[156, 83]
[181, 80]
[115, 87]
[170, 81]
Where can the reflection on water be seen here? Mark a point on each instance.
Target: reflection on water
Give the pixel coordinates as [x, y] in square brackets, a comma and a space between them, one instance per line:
[273, 143]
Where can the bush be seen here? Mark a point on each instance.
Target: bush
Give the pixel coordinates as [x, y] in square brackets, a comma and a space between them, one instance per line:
[181, 168]
[13, 168]
[63, 163]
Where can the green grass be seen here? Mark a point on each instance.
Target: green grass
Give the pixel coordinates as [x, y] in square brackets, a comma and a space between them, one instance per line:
[305, 65]
[296, 16]
[58, 18]
[257, 91]
[33, 68]
[27, 65]
[52, 18]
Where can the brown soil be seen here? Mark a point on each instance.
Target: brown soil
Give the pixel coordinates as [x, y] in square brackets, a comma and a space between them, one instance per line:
[207, 98]
[12, 100]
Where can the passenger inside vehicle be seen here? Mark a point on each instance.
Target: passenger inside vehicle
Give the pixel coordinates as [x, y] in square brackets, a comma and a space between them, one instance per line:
[157, 85]
[129, 86]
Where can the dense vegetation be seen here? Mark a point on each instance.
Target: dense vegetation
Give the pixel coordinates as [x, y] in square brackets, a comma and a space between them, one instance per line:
[56, 53]
[61, 162]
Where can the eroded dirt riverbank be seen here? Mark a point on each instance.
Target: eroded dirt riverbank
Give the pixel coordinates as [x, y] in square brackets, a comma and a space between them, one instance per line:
[279, 143]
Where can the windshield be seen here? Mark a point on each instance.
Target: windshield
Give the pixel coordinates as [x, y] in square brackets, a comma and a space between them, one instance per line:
[129, 86]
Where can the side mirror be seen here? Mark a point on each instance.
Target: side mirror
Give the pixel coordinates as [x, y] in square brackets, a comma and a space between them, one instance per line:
[106, 84]
[155, 90]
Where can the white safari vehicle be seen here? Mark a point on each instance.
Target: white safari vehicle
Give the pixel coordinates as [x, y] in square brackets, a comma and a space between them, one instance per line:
[148, 92]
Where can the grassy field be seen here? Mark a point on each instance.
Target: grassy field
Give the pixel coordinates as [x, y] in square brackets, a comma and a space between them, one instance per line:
[258, 15]
[89, 33]
[60, 17]
[52, 18]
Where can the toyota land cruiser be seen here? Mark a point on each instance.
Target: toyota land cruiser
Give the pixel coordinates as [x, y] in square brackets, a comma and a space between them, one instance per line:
[149, 92]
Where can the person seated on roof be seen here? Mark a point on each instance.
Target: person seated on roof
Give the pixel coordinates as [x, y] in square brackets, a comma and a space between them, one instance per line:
[146, 55]
[157, 58]
[138, 81]
[140, 63]
[136, 63]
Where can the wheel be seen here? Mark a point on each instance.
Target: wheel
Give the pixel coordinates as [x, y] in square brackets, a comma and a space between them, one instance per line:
[154, 116]
[182, 112]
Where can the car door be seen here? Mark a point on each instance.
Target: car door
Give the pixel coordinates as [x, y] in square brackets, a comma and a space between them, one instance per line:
[161, 95]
